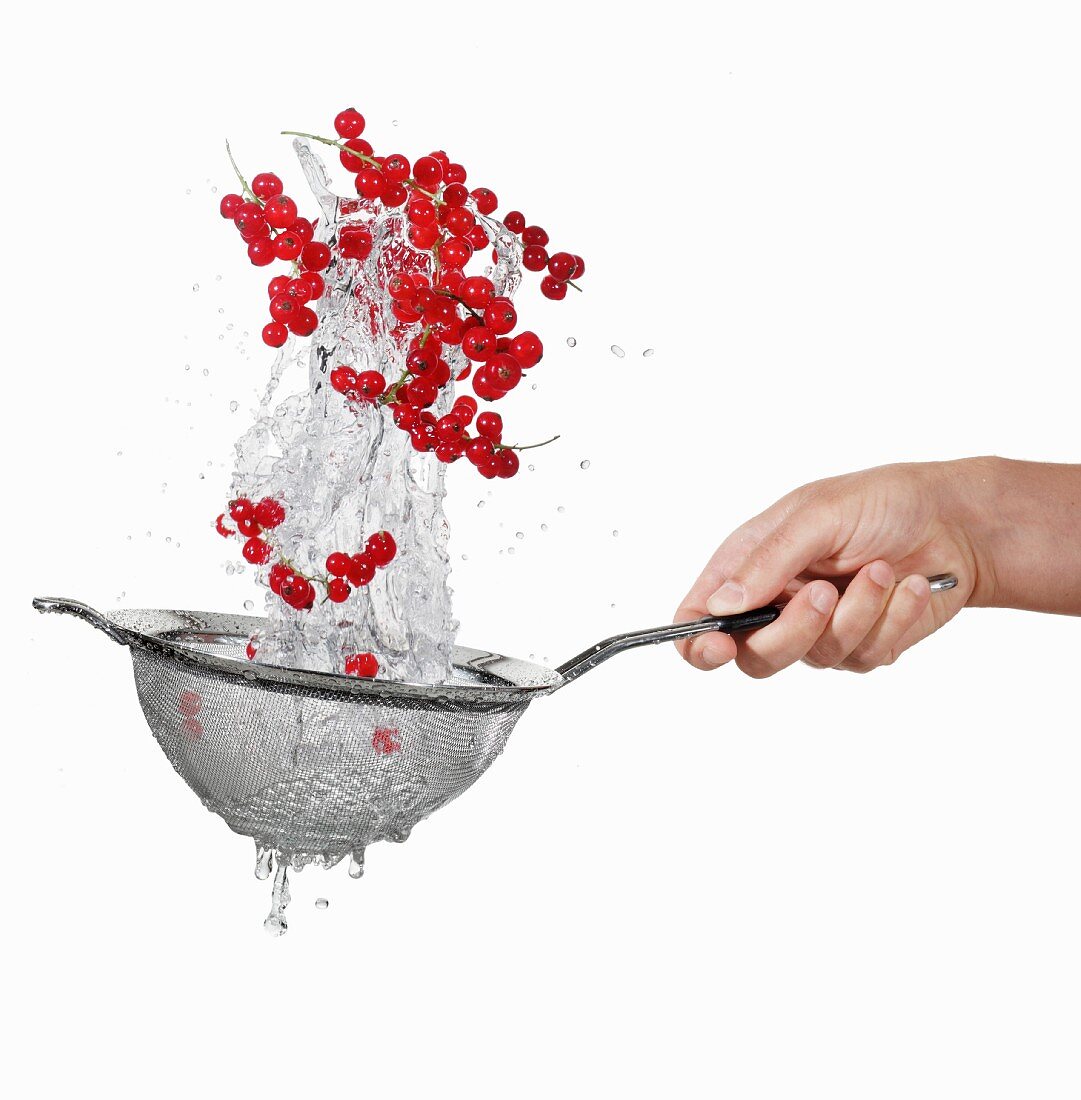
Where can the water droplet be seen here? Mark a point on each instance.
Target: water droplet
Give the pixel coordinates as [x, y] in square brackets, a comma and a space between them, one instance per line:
[617, 351]
[322, 903]
[187, 366]
[465, 557]
[534, 386]
[584, 464]
[168, 538]
[544, 526]
[119, 454]
[571, 342]
[394, 122]
[250, 606]
[647, 353]
[187, 190]
[213, 190]
[195, 288]
[234, 405]
[561, 508]
[206, 373]
[510, 549]
[275, 923]
[519, 534]
[230, 569]
[531, 468]
[148, 534]
[356, 864]
[217, 278]
[615, 534]
[263, 861]
[480, 503]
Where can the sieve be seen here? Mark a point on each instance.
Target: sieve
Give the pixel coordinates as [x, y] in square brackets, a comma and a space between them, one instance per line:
[316, 766]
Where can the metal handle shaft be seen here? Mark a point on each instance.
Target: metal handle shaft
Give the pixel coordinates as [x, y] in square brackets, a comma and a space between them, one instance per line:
[62, 606]
[674, 632]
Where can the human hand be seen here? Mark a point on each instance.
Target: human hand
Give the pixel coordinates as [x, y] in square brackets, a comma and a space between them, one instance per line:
[851, 556]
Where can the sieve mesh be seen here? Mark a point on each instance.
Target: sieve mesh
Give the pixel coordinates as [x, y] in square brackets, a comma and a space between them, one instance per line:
[315, 774]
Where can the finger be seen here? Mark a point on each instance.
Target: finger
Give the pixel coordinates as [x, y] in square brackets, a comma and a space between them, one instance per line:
[805, 537]
[789, 639]
[709, 651]
[855, 615]
[907, 603]
[730, 553]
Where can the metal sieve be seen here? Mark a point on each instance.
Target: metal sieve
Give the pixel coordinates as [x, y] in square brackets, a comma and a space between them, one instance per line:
[317, 766]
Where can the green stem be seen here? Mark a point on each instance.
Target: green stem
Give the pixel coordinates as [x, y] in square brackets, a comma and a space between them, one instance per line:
[243, 182]
[524, 446]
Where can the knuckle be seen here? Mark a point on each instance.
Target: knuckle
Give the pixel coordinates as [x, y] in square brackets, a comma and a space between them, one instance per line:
[750, 664]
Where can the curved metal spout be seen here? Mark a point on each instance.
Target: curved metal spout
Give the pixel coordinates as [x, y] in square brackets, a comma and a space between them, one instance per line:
[59, 605]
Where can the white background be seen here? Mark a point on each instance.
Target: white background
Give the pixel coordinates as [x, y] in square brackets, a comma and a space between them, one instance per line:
[851, 232]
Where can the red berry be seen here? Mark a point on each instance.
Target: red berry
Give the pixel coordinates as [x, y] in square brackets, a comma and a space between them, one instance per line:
[515, 221]
[278, 285]
[316, 256]
[478, 344]
[500, 316]
[533, 234]
[304, 322]
[248, 526]
[298, 290]
[458, 221]
[344, 379]
[381, 548]
[476, 291]
[454, 173]
[393, 193]
[349, 123]
[189, 703]
[508, 463]
[534, 258]
[369, 183]
[303, 229]
[277, 574]
[421, 392]
[241, 508]
[266, 185]
[269, 513]
[274, 335]
[284, 308]
[527, 349]
[456, 252]
[396, 167]
[428, 173]
[337, 564]
[362, 664]
[454, 194]
[479, 451]
[490, 425]
[361, 570]
[229, 205]
[219, 526]
[287, 245]
[249, 220]
[466, 406]
[354, 242]
[280, 212]
[261, 251]
[553, 288]
[315, 284]
[477, 237]
[580, 267]
[504, 371]
[562, 265]
[358, 145]
[486, 200]
[251, 650]
[256, 551]
[338, 590]
[370, 385]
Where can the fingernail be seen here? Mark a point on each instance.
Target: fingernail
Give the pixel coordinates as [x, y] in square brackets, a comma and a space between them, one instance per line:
[712, 657]
[881, 574]
[822, 597]
[727, 598]
[917, 585]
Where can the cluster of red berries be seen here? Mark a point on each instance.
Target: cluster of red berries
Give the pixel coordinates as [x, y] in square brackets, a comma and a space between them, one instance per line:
[436, 312]
[269, 222]
[384, 741]
[252, 521]
[285, 580]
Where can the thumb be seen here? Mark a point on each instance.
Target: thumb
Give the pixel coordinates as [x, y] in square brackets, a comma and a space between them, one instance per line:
[803, 538]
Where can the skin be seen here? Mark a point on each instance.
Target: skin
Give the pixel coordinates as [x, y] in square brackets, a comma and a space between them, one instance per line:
[848, 557]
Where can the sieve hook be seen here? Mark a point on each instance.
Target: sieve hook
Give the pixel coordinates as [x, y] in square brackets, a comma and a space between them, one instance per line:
[60, 605]
[725, 624]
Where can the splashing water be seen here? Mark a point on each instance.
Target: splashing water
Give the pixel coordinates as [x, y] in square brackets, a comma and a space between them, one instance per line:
[345, 473]
[275, 924]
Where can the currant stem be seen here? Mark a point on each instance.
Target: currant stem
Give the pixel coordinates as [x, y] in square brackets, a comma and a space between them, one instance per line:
[449, 294]
[243, 182]
[524, 446]
[342, 147]
[571, 282]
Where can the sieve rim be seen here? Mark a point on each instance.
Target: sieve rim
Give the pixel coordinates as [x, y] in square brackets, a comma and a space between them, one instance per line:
[162, 631]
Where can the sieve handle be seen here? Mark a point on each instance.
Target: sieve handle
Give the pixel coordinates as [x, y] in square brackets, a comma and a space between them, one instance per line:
[674, 632]
[61, 606]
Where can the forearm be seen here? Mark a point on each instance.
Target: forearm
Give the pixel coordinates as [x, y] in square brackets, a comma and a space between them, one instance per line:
[1023, 520]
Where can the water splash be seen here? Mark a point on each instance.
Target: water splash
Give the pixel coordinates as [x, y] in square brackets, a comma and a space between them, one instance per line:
[322, 903]
[571, 342]
[617, 351]
[584, 464]
[356, 864]
[264, 860]
[275, 924]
